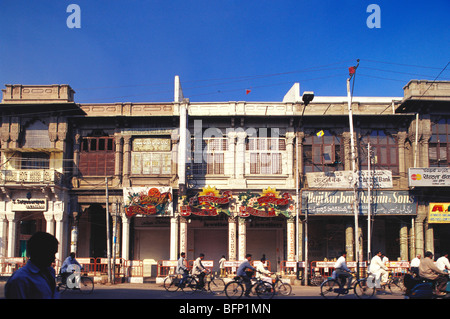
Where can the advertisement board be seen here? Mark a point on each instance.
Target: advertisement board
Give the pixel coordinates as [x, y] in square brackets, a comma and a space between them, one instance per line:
[439, 213]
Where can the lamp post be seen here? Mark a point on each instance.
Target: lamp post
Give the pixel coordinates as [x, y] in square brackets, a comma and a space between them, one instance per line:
[352, 71]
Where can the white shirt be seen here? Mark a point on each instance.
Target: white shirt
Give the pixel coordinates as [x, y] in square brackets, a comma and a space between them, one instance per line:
[415, 262]
[442, 263]
[376, 264]
[341, 264]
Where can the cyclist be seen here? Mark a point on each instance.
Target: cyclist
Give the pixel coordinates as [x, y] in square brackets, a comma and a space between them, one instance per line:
[246, 277]
[379, 270]
[68, 267]
[199, 270]
[182, 268]
[261, 271]
[341, 269]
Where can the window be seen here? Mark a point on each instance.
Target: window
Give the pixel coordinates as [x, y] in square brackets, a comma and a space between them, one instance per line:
[97, 156]
[322, 153]
[265, 155]
[35, 160]
[384, 151]
[151, 156]
[439, 143]
[209, 156]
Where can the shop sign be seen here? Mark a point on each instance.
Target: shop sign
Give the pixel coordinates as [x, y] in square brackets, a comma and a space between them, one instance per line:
[24, 204]
[344, 179]
[268, 204]
[148, 201]
[433, 176]
[439, 213]
[209, 202]
[341, 203]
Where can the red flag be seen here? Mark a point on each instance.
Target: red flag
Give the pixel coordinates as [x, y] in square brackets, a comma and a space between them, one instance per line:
[247, 91]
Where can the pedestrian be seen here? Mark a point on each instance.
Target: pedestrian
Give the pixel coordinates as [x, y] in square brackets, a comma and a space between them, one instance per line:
[244, 274]
[222, 266]
[199, 270]
[415, 265]
[428, 270]
[36, 280]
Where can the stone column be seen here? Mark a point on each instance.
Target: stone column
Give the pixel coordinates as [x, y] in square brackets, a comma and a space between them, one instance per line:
[60, 221]
[50, 223]
[401, 159]
[125, 237]
[290, 239]
[12, 232]
[240, 155]
[173, 238]
[349, 242]
[230, 155]
[126, 161]
[232, 238]
[242, 238]
[3, 234]
[183, 235]
[429, 238]
[403, 241]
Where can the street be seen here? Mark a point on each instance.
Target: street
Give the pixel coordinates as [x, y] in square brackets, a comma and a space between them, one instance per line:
[157, 292]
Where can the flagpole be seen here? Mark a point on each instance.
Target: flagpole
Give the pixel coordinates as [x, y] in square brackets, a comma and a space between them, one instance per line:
[352, 71]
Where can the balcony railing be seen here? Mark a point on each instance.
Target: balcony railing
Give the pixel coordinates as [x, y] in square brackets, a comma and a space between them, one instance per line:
[32, 176]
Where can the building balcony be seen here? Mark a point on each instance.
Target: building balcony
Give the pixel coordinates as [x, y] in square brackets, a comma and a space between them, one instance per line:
[31, 176]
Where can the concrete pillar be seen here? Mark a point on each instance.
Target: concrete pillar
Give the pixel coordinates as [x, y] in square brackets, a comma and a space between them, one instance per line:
[126, 160]
[349, 242]
[403, 241]
[290, 239]
[50, 223]
[242, 238]
[183, 235]
[232, 238]
[3, 234]
[125, 237]
[60, 222]
[420, 243]
[12, 232]
[429, 238]
[173, 238]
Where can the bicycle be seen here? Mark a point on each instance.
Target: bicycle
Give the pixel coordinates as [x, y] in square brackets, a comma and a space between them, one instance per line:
[333, 288]
[235, 288]
[84, 286]
[394, 284]
[214, 284]
[173, 283]
[281, 287]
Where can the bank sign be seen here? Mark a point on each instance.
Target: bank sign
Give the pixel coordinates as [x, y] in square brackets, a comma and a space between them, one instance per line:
[433, 176]
[340, 203]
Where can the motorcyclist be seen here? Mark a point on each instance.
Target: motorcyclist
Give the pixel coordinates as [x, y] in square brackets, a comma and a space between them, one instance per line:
[428, 270]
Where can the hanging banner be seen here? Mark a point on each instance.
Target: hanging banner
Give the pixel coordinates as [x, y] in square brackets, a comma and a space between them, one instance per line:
[344, 179]
[268, 204]
[209, 202]
[439, 213]
[148, 201]
[433, 176]
[341, 203]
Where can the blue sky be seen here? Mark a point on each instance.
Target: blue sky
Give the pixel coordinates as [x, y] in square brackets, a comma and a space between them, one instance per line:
[130, 51]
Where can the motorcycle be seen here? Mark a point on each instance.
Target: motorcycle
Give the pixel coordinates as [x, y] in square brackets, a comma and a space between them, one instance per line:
[420, 288]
